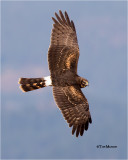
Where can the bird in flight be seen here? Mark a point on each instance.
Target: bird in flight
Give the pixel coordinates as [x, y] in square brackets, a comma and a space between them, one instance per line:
[63, 55]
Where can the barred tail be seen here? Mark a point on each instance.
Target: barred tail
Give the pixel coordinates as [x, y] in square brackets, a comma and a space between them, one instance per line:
[30, 84]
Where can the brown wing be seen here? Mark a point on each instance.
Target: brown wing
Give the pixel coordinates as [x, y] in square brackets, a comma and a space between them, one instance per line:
[74, 107]
[63, 51]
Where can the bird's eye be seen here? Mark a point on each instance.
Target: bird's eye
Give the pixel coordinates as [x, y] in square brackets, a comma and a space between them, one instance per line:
[83, 82]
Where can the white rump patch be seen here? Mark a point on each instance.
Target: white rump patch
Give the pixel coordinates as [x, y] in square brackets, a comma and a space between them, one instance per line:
[48, 81]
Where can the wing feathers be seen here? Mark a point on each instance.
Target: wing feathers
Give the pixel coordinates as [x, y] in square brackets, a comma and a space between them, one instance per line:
[82, 130]
[55, 21]
[90, 120]
[77, 115]
[67, 18]
[73, 26]
[86, 126]
[78, 130]
[63, 36]
[59, 19]
[62, 17]
[74, 129]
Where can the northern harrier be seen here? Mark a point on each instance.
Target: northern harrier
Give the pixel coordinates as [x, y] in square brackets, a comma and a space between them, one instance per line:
[63, 55]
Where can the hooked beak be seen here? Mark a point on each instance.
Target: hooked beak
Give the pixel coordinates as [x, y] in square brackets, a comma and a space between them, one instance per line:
[87, 83]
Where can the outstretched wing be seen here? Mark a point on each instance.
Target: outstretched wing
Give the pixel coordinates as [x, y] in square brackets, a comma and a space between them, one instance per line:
[74, 107]
[63, 51]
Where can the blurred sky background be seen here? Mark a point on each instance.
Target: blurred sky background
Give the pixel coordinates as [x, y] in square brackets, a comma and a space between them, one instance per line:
[32, 125]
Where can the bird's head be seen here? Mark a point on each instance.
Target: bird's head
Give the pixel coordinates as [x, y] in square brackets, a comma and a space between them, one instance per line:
[84, 83]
